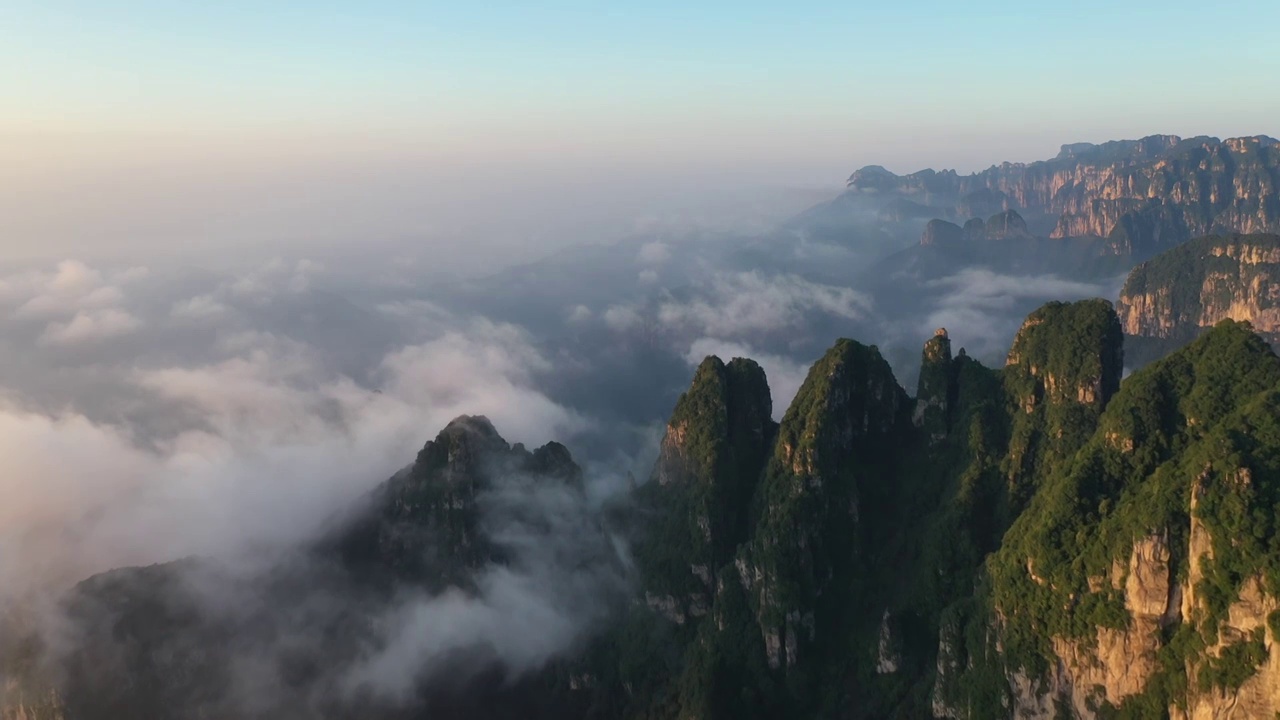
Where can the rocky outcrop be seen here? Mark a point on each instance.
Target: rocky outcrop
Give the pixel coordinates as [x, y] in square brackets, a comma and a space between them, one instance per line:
[936, 387]
[709, 463]
[1178, 295]
[1115, 663]
[1142, 195]
[1007, 225]
[941, 232]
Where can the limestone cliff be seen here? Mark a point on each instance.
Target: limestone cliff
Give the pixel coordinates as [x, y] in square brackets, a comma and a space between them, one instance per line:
[1179, 294]
[1142, 578]
[1143, 195]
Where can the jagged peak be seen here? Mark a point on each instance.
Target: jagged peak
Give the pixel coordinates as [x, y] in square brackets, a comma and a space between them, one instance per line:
[849, 379]
[721, 400]
[935, 385]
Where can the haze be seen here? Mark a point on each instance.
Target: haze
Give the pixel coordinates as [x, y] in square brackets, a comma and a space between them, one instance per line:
[494, 133]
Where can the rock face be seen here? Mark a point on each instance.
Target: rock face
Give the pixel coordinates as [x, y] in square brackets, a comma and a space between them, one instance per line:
[936, 388]
[1141, 195]
[1091, 609]
[1183, 292]
[939, 232]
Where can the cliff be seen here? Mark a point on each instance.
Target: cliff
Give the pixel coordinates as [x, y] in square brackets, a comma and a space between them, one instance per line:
[1141, 196]
[1183, 292]
[1142, 578]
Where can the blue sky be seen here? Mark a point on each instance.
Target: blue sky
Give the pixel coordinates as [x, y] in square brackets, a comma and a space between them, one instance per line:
[127, 119]
[903, 75]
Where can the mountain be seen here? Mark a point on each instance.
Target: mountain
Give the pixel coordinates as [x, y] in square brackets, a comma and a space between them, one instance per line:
[317, 635]
[1174, 297]
[1142, 195]
[1041, 540]
[1091, 211]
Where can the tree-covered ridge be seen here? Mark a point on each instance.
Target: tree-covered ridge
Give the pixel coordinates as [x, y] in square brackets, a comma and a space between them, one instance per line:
[1063, 367]
[939, 557]
[1193, 425]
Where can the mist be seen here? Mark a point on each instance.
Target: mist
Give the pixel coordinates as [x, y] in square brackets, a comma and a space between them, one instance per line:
[227, 407]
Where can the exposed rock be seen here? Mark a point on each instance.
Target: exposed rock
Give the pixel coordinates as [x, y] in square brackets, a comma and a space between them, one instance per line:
[1143, 195]
[887, 656]
[1007, 225]
[939, 232]
[936, 387]
[1183, 292]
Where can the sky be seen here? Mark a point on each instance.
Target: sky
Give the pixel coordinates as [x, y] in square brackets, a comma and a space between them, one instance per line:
[133, 122]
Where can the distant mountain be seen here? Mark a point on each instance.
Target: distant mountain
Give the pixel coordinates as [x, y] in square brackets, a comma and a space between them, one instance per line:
[1132, 198]
[1181, 293]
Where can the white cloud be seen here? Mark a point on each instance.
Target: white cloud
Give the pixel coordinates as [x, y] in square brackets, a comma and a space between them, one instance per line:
[977, 304]
[579, 314]
[71, 287]
[278, 446]
[273, 278]
[90, 326]
[621, 317]
[738, 304]
[200, 307]
[653, 253]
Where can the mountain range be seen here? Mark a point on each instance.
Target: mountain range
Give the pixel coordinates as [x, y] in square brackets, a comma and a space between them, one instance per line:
[1087, 529]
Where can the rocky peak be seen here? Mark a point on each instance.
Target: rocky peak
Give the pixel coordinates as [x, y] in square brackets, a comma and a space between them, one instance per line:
[941, 232]
[422, 525]
[872, 178]
[1007, 225]
[975, 229]
[840, 421]
[460, 446]
[936, 387]
[726, 408]
[709, 464]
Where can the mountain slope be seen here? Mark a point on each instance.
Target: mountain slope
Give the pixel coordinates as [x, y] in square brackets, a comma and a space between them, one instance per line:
[1039, 540]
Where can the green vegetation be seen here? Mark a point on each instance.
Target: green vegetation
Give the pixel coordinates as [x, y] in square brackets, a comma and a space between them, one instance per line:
[1001, 516]
[1236, 664]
